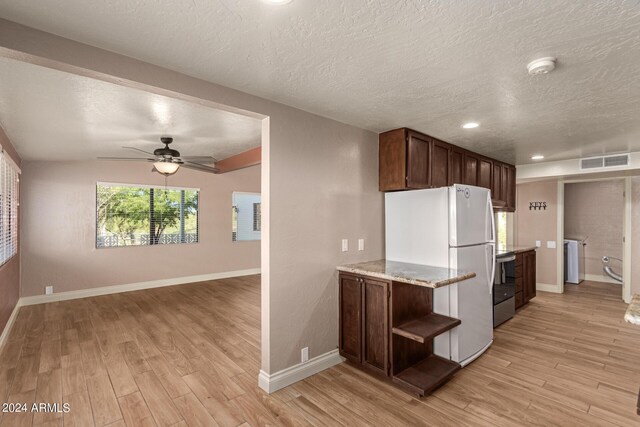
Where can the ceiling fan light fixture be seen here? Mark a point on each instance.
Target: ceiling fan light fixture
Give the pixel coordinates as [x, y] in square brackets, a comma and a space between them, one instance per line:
[166, 168]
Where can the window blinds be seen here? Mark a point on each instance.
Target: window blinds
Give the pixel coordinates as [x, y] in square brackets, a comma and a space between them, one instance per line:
[8, 208]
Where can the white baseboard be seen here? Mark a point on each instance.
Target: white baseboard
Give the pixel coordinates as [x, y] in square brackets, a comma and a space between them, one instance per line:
[601, 278]
[7, 328]
[546, 287]
[281, 379]
[116, 289]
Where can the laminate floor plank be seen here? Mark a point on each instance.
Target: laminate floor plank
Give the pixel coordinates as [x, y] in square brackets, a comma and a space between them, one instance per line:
[190, 355]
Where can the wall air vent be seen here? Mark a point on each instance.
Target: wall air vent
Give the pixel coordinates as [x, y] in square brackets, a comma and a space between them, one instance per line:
[617, 160]
[596, 162]
[612, 161]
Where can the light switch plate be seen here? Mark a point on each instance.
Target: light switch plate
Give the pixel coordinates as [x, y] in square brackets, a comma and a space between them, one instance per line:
[345, 245]
[551, 244]
[538, 244]
[361, 244]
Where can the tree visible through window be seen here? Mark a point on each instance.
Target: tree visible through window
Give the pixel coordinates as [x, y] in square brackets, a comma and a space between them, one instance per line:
[135, 215]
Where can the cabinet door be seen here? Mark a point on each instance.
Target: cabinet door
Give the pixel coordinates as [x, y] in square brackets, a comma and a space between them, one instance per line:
[350, 341]
[439, 164]
[375, 348]
[418, 161]
[504, 184]
[496, 182]
[392, 158]
[529, 273]
[470, 169]
[511, 188]
[485, 169]
[456, 166]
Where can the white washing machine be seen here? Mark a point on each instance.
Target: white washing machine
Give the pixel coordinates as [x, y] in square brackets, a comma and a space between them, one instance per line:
[574, 261]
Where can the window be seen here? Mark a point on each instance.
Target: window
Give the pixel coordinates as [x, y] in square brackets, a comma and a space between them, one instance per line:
[501, 228]
[246, 216]
[137, 215]
[8, 208]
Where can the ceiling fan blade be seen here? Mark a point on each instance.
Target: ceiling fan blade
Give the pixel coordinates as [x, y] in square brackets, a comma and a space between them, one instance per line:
[137, 149]
[199, 167]
[200, 159]
[130, 159]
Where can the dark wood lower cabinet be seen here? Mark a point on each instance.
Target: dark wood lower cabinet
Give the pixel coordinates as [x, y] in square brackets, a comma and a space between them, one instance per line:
[375, 344]
[350, 295]
[387, 328]
[525, 273]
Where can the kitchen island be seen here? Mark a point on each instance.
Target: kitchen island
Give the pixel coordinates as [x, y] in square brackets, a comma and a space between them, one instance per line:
[387, 323]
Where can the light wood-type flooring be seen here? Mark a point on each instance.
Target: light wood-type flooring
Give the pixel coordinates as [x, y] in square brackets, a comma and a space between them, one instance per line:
[189, 355]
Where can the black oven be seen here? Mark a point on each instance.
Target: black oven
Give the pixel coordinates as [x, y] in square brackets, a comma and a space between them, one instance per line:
[504, 289]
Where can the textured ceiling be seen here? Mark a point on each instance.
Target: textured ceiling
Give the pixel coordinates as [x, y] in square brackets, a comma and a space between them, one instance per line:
[429, 65]
[52, 115]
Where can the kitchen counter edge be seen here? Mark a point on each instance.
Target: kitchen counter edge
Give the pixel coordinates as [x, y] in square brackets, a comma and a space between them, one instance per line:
[414, 274]
[509, 250]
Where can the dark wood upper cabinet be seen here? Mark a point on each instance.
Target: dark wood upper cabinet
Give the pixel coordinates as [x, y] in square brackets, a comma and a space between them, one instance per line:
[392, 160]
[440, 163]
[485, 171]
[496, 182]
[470, 169]
[511, 188]
[412, 160]
[456, 164]
[418, 161]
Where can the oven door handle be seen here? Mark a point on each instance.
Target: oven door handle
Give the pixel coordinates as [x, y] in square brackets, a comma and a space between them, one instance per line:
[501, 260]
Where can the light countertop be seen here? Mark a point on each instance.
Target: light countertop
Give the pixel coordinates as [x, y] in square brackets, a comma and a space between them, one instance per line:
[633, 311]
[414, 274]
[509, 249]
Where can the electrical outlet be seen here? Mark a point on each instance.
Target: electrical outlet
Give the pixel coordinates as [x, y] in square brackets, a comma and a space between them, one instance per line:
[361, 244]
[48, 290]
[345, 245]
[538, 244]
[305, 354]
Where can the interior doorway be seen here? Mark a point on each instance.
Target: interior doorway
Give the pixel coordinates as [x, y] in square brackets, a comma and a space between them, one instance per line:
[594, 232]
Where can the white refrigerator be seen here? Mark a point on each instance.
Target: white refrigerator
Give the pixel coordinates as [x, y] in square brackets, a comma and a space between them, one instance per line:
[449, 227]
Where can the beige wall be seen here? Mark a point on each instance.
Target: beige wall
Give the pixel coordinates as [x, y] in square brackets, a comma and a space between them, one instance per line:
[9, 271]
[595, 209]
[59, 226]
[319, 185]
[532, 225]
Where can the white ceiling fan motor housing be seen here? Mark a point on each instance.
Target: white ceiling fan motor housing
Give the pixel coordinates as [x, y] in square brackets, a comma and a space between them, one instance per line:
[542, 65]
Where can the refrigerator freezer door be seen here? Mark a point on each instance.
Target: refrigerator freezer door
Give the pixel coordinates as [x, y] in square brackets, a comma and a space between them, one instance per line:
[470, 216]
[471, 302]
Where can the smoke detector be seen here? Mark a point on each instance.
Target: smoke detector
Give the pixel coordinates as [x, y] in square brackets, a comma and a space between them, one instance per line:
[542, 65]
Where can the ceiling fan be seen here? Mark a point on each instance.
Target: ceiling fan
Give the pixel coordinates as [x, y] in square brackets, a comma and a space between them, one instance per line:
[167, 161]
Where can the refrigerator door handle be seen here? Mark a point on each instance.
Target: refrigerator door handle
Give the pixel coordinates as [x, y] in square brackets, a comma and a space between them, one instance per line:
[492, 268]
[491, 237]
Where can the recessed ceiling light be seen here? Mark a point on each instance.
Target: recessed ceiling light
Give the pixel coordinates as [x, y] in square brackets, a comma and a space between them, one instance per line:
[537, 157]
[276, 2]
[470, 125]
